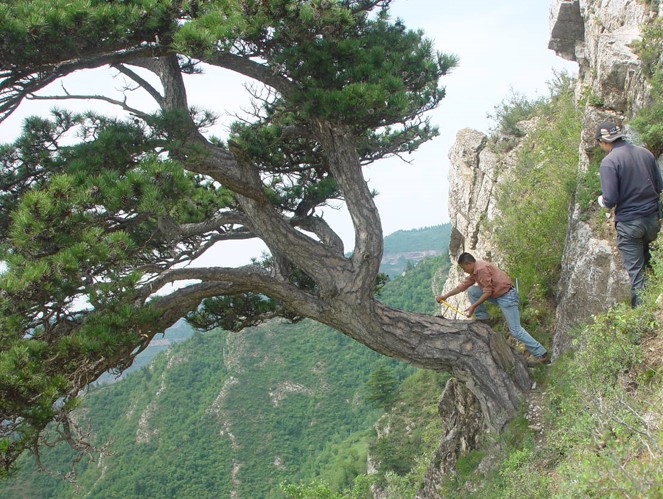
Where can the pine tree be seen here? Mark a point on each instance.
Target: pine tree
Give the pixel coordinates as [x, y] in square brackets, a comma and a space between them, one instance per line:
[118, 214]
[381, 387]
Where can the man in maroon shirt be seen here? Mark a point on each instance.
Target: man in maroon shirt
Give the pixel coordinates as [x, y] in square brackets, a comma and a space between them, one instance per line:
[485, 282]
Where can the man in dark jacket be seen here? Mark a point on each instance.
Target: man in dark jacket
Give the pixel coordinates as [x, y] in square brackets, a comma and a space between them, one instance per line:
[631, 183]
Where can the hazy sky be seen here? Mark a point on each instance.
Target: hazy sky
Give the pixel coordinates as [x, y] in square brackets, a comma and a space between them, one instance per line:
[502, 47]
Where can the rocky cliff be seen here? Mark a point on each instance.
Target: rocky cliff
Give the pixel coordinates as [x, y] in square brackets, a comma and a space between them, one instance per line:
[599, 36]
[475, 175]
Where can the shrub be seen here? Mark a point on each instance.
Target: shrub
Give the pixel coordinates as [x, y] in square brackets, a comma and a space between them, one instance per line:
[510, 114]
[602, 408]
[530, 229]
[648, 122]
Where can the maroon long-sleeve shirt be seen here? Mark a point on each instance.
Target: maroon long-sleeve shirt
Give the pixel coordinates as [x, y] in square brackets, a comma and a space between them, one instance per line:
[489, 278]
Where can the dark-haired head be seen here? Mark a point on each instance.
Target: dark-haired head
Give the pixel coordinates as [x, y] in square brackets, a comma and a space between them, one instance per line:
[466, 258]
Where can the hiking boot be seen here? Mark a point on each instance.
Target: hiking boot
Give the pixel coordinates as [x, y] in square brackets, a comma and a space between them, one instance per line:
[543, 359]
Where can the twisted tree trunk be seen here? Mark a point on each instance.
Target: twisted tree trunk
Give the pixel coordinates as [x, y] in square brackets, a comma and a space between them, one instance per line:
[472, 352]
[181, 193]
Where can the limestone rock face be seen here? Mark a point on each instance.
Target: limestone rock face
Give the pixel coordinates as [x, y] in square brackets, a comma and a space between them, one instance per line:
[567, 29]
[475, 173]
[611, 76]
[592, 278]
[599, 36]
[471, 183]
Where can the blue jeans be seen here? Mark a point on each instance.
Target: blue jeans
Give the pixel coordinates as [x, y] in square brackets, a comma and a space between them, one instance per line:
[508, 304]
[633, 239]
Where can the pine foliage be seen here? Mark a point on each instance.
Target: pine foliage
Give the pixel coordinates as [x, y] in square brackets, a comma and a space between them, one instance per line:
[98, 213]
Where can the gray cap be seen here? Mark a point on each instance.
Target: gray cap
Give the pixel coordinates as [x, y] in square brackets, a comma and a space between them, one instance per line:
[608, 132]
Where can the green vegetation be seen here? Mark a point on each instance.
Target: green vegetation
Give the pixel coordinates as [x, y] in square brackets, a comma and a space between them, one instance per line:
[403, 452]
[598, 435]
[408, 293]
[171, 433]
[410, 432]
[511, 113]
[589, 185]
[423, 239]
[178, 332]
[531, 226]
[317, 489]
[648, 122]
[381, 387]
[299, 413]
[404, 248]
[600, 407]
[654, 3]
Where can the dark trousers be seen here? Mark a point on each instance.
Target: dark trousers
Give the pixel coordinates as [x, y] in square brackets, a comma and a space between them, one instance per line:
[633, 240]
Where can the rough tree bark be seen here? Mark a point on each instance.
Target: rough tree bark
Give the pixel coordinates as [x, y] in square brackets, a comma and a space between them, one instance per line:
[338, 290]
[471, 351]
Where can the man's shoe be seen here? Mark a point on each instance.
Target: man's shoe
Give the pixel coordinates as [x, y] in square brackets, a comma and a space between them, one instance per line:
[543, 359]
[488, 322]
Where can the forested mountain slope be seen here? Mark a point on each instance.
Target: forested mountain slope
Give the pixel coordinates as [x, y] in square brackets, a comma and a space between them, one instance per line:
[406, 247]
[235, 415]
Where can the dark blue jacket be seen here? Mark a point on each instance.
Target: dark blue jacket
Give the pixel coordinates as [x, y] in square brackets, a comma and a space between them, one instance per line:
[631, 181]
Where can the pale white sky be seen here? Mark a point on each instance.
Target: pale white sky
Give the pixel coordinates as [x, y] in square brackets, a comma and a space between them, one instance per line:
[502, 46]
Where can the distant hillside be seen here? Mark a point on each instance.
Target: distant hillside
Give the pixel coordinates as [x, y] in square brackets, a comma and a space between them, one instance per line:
[407, 289]
[426, 238]
[178, 332]
[225, 414]
[405, 247]
[221, 413]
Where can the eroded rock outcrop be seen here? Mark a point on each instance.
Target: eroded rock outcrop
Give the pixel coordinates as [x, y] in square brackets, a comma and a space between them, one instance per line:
[611, 79]
[476, 172]
[463, 426]
[599, 36]
[472, 178]
[567, 29]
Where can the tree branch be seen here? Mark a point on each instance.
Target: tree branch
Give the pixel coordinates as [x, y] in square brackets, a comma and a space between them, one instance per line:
[339, 147]
[144, 84]
[252, 69]
[122, 104]
[228, 280]
[16, 84]
[313, 258]
[218, 281]
[320, 228]
[173, 231]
